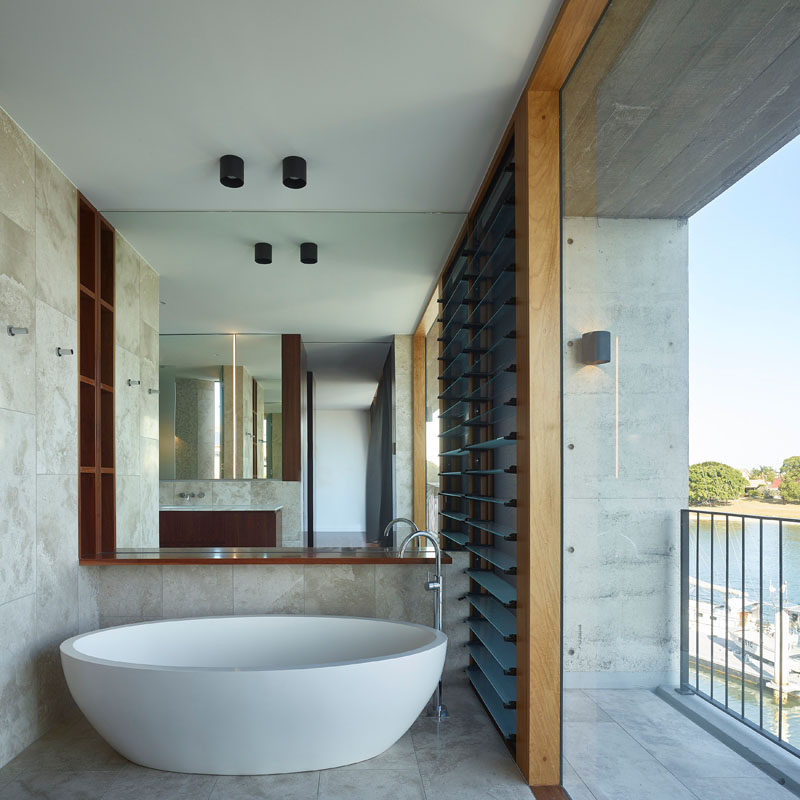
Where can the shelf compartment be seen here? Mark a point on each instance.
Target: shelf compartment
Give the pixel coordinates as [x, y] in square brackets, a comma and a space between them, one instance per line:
[493, 583]
[498, 558]
[106, 346]
[87, 353]
[495, 613]
[86, 232]
[455, 536]
[107, 263]
[88, 424]
[505, 719]
[493, 444]
[495, 528]
[504, 685]
[503, 652]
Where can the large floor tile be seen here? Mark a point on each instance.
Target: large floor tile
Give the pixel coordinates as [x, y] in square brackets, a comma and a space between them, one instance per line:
[614, 766]
[59, 786]
[576, 788]
[341, 784]
[139, 783]
[400, 755]
[663, 731]
[292, 786]
[579, 707]
[471, 773]
[738, 789]
[75, 747]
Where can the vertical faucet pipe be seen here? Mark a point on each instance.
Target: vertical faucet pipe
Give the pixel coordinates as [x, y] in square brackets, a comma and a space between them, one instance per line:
[435, 585]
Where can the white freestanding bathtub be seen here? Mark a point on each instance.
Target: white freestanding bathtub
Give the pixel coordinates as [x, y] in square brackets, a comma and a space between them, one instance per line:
[254, 695]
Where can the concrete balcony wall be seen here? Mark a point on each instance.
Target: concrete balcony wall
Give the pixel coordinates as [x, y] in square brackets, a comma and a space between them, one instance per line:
[626, 432]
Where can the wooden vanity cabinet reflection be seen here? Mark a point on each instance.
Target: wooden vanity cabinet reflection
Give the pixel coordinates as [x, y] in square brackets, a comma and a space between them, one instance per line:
[257, 528]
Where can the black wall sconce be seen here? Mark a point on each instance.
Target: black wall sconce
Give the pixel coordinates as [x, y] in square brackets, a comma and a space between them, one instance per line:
[596, 347]
[231, 171]
[308, 253]
[263, 253]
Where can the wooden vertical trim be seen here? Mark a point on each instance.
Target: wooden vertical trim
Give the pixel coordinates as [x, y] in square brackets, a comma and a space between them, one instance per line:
[310, 456]
[538, 253]
[420, 478]
[571, 30]
[290, 406]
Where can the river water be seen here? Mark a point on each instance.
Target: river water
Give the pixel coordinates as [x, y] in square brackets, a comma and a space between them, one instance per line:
[757, 556]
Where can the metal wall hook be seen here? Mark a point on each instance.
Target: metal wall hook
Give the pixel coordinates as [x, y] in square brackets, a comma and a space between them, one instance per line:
[12, 331]
[152, 391]
[133, 383]
[64, 351]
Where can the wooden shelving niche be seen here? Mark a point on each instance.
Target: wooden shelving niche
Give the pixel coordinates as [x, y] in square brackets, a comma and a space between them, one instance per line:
[96, 458]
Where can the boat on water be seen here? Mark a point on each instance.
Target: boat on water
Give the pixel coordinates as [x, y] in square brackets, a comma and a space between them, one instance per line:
[764, 638]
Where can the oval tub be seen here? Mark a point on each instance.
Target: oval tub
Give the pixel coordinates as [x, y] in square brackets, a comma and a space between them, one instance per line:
[254, 695]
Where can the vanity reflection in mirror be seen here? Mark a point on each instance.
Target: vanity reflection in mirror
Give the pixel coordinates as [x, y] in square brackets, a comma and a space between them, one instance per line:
[220, 406]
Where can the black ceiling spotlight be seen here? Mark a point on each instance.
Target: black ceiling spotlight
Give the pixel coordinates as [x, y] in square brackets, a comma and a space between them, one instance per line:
[263, 253]
[294, 172]
[231, 171]
[308, 253]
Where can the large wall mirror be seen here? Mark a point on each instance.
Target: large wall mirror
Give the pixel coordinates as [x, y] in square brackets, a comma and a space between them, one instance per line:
[220, 407]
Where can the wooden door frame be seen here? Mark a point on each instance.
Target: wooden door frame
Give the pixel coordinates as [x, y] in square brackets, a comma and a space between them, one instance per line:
[535, 125]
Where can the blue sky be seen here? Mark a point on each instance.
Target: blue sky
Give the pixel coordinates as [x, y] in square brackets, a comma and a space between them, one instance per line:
[744, 318]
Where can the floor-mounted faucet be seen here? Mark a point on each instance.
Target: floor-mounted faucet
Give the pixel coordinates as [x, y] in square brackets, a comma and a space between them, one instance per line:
[432, 585]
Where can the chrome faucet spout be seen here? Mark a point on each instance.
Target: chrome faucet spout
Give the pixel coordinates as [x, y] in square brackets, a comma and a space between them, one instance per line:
[432, 585]
[394, 522]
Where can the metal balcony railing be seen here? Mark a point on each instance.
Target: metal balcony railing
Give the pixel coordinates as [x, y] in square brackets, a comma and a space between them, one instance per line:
[740, 619]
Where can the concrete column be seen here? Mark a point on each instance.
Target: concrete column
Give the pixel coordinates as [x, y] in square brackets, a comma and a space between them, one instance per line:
[625, 453]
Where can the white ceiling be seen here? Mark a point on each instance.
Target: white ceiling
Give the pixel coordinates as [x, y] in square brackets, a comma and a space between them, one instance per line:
[346, 373]
[397, 105]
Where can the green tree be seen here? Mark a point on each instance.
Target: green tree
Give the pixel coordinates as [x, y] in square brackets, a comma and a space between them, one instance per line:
[712, 482]
[790, 480]
[767, 474]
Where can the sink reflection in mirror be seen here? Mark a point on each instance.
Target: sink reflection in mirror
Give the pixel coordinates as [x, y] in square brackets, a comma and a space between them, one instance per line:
[220, 406]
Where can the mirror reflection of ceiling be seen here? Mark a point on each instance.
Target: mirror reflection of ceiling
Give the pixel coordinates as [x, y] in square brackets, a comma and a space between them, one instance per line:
[397, 108]
[197, 357]
[722, 95]
[374, 271]
[346, 373]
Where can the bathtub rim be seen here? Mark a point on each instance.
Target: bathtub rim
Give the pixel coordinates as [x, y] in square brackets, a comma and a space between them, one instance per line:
[67, 647]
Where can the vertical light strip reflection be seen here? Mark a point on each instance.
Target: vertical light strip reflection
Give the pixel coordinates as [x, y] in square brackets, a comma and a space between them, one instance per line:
[616, 399]
[233, 425]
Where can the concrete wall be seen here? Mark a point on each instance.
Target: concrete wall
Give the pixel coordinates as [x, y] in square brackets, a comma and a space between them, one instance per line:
[287, 494]
[621, 502]
[340, 470]
[402, 426]
[136, 313]
[126, 594]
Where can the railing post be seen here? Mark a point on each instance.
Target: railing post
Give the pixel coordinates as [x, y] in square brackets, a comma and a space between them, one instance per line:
[684, 687]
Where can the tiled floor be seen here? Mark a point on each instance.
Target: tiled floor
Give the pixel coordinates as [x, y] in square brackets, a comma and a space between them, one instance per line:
[631, 745]
[462, 758]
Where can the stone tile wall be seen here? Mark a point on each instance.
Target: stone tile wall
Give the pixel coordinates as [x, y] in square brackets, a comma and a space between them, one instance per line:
[136, 409]
[38, 441]
[126, 594]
